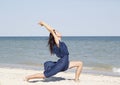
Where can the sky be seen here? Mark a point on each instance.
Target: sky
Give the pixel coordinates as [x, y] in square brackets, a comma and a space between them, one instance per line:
[69, 17]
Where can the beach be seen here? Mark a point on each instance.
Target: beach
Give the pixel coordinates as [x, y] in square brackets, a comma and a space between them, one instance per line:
[15, 76]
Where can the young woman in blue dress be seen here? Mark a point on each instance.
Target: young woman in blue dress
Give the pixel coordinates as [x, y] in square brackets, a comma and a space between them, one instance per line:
[58, 48]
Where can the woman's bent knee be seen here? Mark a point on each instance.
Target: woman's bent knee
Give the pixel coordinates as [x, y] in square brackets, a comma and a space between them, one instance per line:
[80, 64]
[75, 64]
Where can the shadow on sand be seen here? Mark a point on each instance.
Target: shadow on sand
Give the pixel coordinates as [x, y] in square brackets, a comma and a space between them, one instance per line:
[51, 79]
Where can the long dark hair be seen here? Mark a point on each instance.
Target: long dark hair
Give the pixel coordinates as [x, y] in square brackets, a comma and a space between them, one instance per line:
[51, 43]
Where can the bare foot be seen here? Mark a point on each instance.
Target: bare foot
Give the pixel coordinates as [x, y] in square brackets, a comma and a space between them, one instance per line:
[77, 80]
[26, 79]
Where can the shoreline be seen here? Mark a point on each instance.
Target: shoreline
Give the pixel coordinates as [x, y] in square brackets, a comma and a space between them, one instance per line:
[86, 70]
[15, 76]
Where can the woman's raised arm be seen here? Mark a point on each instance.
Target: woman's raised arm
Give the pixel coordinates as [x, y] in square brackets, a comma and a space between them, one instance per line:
[51, 30]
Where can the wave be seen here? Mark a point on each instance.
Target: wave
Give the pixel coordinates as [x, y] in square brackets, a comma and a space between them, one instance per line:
[116, 70]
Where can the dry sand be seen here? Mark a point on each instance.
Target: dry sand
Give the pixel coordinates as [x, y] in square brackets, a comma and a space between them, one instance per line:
[10, 76]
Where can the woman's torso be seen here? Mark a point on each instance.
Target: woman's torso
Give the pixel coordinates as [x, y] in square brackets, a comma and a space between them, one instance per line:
[61, 51]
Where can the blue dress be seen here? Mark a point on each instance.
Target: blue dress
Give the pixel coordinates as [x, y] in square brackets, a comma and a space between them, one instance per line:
[51, 68]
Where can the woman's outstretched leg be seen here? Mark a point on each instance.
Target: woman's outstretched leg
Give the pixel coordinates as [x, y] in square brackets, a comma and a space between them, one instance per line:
[35, 76]
[78, 66]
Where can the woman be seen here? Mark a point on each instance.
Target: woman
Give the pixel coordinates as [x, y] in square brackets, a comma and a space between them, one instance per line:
[60, 49]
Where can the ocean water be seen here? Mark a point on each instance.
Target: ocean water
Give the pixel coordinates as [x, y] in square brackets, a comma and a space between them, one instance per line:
[100, 55]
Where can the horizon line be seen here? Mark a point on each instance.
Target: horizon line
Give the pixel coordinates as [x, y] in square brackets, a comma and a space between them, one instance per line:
[63, 36]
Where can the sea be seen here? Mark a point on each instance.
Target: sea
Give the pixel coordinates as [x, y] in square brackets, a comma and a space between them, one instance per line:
[99, 54]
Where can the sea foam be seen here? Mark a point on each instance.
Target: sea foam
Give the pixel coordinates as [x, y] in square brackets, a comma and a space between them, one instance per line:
[117, 70]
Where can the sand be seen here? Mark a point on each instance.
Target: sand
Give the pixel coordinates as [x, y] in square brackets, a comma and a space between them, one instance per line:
[12, 76]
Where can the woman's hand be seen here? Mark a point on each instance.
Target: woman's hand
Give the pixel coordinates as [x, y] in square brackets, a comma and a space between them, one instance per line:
[41, 23]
